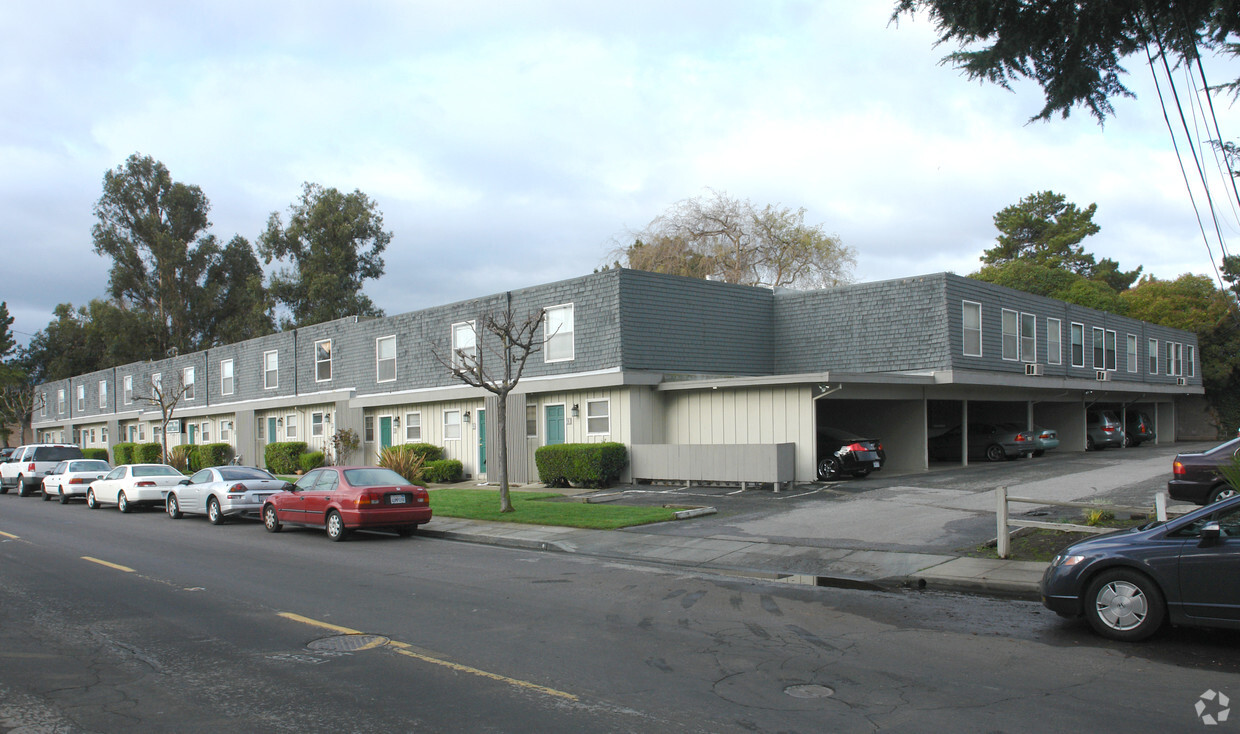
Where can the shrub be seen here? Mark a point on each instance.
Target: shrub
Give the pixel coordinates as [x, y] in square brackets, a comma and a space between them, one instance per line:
[101, 454]
[587, 464]
[344, 442]
[443, 471]
[284, 457]
[146, 453]
[311, 460]
[123, 453]
[404, 461]
[178, 456]
[212, 454]
[428, 451]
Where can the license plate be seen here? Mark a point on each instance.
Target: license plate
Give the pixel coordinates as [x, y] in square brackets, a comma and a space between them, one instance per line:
[397, 499]
[877, 464]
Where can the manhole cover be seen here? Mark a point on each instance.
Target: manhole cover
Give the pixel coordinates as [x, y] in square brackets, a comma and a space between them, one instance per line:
[809, 690]
[348, 643]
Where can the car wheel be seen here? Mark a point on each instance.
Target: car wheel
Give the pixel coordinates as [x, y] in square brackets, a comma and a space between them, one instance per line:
[4, 489]
[173, 507]
[214, 513]
[1128, 442]
[829, 468]
[1221, 492]
[407, 531]
[64, 498]
[45, 494]
[122, 503]
[1039, 452]
[335, 526]
[862, 473]
[270, 520]
[1124, 605]
[91, 502]
[1089, 443]
[995, 452]
[21, 486]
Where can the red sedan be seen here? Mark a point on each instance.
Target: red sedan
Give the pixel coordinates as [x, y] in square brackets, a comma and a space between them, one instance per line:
[345, 498]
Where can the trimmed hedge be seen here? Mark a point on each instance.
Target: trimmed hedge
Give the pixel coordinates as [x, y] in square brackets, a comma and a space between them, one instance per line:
[587, 464]
[101, 454]
[284, 457]
[428, 451]
[123, 453]
[311, 460]
[146, 453]
[442, 471]
[210, 454]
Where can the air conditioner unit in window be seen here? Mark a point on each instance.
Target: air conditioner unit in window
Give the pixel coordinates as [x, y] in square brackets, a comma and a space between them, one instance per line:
[1102, 376]
[1033, 370]
[1181, 381]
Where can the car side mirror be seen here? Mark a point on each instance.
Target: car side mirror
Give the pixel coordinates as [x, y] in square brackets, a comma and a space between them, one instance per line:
[1210, 533]
[290, 487]
[185, 481]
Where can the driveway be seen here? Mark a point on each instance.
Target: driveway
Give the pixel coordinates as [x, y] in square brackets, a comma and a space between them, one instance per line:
[941, 511]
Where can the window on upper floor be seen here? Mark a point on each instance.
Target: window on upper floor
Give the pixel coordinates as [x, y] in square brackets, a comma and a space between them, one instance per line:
[1010, 333]
[558, 342]
[971, 328]
[1152, 355]
[464, 345]
[60, 401]
[103, 394]
[1175, 359]
[1097, 335]
[187, 382]
[1078, 345]
[1132, 353]
[127, 388]
[271, 370]
[1028, 338]
[226, 377]
[1111, 354]
[157, 384]
[81, 398]
[1054, 341]
[385, 358]
[1190, 360]
[323, 360]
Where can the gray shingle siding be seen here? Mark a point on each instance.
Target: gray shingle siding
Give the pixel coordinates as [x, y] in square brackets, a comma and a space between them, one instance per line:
[888, 326]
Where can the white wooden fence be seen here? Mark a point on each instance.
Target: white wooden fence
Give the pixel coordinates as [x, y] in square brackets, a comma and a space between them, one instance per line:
[1003, 521]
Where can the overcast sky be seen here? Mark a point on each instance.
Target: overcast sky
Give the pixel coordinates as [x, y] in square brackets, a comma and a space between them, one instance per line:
[511, 144]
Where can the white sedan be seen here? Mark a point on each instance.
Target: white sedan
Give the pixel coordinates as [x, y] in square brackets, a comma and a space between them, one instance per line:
[72, 478]
[130, 485]
[223, 491]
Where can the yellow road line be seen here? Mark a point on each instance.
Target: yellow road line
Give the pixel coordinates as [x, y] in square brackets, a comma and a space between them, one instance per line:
[9, 535]
[402, 648]
[117, 566]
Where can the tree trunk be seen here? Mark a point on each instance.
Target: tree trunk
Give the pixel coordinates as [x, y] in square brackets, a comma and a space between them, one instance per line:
[505, 502]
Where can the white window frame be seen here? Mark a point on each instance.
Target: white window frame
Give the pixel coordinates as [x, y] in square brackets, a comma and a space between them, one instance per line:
[316, 424]
[103, 394]
[271, 369]
[591, 417]
[966, 331]
[187, 382]
[1054, 341]
[1077, 329]
[1028, 342]
[1010, 337]
[81, 398]
[127, 387]
[563, 330]
[227, 380]
[368, 429]
[141, 432]
[1110, 350]
[1190, 358]
[452, 426]
[225, 431]
[60, 401]
[413, 427]
[1131, 356]
[380, 360]
[1176, 358]
[1152, 356]
[290, 427]
[204, 431]
[528, 408]
[459, 330]
[319, 361]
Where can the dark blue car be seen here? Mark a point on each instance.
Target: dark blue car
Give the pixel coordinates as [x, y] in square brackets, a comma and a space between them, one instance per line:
[1128, 583]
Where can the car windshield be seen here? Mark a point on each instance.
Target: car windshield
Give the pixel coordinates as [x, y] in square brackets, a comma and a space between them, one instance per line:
[230, 474]
[157, 470]
[373, 477]
[89, 465]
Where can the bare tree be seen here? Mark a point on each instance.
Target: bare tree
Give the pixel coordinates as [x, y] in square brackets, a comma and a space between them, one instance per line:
[18, 402]
[510, 343]
[736, 242]
[165, 397]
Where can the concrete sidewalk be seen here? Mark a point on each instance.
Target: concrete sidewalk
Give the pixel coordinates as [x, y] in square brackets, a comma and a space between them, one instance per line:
[798, 564]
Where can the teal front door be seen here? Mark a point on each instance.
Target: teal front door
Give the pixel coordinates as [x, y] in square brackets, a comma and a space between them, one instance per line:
[191, 432]
[555, 424]
[482, 442]
[385, 431]
[271, 431]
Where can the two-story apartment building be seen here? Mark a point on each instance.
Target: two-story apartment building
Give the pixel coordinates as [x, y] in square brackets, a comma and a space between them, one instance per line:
[653, 360]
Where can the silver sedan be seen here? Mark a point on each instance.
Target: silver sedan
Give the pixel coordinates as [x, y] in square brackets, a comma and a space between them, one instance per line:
[222, 492]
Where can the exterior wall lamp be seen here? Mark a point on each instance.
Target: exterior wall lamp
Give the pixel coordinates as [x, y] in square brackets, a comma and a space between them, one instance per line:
[466, 416]
[396, 421]
[576, 412]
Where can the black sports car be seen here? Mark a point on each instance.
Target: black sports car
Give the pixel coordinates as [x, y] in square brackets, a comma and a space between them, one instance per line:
[841, 452]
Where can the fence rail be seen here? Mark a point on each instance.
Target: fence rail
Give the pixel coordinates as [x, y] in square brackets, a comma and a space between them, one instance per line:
[1003, 521]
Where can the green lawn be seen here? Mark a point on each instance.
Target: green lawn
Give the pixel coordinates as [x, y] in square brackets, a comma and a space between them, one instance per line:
[533, 508]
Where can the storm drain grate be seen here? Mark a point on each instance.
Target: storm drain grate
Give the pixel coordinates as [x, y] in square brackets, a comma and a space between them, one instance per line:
[348, 643]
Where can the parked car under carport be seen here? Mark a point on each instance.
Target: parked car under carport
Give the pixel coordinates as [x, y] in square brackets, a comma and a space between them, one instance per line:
[986, 441]
[841, 453]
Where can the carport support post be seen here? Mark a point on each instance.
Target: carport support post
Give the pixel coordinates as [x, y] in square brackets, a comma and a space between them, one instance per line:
[1001, 521]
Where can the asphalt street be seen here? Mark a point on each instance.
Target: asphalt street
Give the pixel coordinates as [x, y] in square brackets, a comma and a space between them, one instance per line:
[138, 623]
